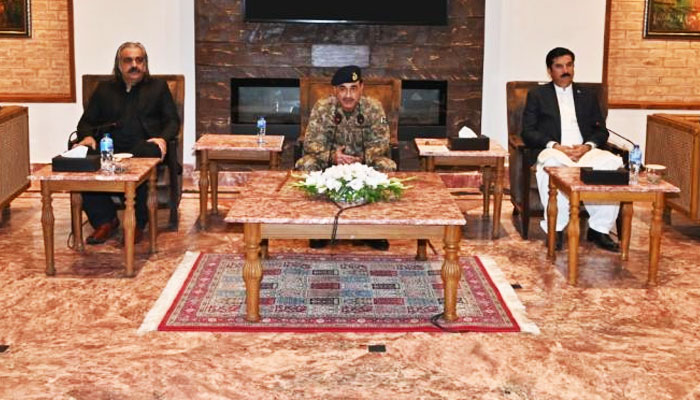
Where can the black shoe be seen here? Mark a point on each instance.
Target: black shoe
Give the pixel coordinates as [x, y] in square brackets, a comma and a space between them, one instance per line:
[602, 240]
[378, 244]
[103, 232]
[318, 243]
[559, 243]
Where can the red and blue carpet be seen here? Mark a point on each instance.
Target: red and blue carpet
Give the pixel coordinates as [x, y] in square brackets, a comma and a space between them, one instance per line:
[313, 293]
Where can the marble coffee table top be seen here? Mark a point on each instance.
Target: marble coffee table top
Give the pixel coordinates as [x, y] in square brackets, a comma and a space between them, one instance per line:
[438, 148]
[571, 177]
[268, 197]
[224, 142]
[136, 168]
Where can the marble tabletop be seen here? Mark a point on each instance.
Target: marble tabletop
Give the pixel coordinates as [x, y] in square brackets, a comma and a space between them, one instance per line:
[210, 141]
[438, 148]
[136, 168]
[268, 197]
[571, 177]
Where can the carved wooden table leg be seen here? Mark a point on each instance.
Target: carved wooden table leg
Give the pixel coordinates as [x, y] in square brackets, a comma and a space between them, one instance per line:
[422, 250]
[129, 226]
[274, 160]
[47, 227]
[552, 222]
[203, 188]
[655, 238]
[486, 182]
[497, 198]
[252, 271]
[152, 209]
[625, 235]
[430, 164]
[451, 271]
[214, 178]
[573, 233]
[76, 202]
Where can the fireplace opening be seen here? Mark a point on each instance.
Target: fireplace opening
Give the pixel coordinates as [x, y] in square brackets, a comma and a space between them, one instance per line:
[423, 109]
[275, 99]
[422, 112]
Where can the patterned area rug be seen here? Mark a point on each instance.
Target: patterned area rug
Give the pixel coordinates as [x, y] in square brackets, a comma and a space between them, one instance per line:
[315, 293]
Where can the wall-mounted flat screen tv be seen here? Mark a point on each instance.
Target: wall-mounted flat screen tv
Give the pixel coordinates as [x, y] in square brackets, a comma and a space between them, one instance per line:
[395, 12]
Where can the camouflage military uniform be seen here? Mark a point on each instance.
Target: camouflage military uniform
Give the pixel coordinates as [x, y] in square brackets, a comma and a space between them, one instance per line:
[369, 138]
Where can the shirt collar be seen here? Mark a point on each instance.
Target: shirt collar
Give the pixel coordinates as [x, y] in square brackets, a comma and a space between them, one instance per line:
[562, 90]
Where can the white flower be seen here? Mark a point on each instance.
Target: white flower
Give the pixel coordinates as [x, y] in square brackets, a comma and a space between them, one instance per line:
[333, 184]
[357, 184]
[343, 182]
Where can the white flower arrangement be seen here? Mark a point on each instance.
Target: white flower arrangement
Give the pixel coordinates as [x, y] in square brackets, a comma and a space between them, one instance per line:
[352, 183]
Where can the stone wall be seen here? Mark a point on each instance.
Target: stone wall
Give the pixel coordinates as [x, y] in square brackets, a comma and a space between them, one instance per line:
[226, 47]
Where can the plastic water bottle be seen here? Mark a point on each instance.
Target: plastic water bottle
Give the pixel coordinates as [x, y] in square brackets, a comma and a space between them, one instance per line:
[262, 125]
[107, 154]
[635, 164]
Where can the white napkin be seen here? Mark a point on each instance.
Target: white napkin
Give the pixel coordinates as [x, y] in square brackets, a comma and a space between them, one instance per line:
[466, 132]
[76, 152]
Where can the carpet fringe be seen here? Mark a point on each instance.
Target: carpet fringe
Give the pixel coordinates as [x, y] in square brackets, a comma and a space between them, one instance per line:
[516, 307]
[167, 297]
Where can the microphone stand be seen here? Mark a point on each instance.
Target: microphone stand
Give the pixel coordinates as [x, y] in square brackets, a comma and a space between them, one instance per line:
[620, 136]
[336, 122]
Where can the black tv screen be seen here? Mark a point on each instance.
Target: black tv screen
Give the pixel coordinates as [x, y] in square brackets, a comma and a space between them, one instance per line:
[399, 12]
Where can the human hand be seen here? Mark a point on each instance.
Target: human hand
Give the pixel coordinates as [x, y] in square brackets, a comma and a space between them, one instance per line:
[162, 145]
[342, 158]
[578, 151]
[87, 141]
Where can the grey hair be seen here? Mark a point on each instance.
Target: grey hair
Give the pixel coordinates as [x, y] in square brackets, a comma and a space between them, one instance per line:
[117, 72]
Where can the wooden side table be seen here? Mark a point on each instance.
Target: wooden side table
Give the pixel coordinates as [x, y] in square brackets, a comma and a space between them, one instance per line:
[138, 171]
[434, 152]
[215, 148]
[568, 181]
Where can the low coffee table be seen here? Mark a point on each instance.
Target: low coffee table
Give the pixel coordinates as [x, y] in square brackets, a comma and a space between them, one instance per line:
[270, 208]
[434, 152]
[137, 171]
[568, 181]
[215, 148]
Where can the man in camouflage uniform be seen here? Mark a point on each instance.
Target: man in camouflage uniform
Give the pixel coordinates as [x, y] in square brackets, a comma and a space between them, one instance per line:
[347, 127]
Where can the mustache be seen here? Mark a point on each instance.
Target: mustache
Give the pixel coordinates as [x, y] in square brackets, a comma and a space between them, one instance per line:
[566, 75]
[134, 69]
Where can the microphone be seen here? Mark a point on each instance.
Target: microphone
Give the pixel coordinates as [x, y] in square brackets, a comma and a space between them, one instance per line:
[97, 129]
[108, 125]
[620, 136]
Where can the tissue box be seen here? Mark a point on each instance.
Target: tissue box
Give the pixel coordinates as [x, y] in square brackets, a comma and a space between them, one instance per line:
[619, 176]
[477, 143]
[67, 164]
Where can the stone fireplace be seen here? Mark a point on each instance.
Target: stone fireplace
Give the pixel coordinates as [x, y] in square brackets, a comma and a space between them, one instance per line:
[228, 49]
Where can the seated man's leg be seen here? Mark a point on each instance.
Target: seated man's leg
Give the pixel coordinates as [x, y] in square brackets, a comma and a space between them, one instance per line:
[602, 216]
[552, 158]
[102, 214]
[143, 149]
[384, 164]
[309, 163]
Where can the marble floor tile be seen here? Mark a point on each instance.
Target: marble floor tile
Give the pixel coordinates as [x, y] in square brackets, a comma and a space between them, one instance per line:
[73, 336]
